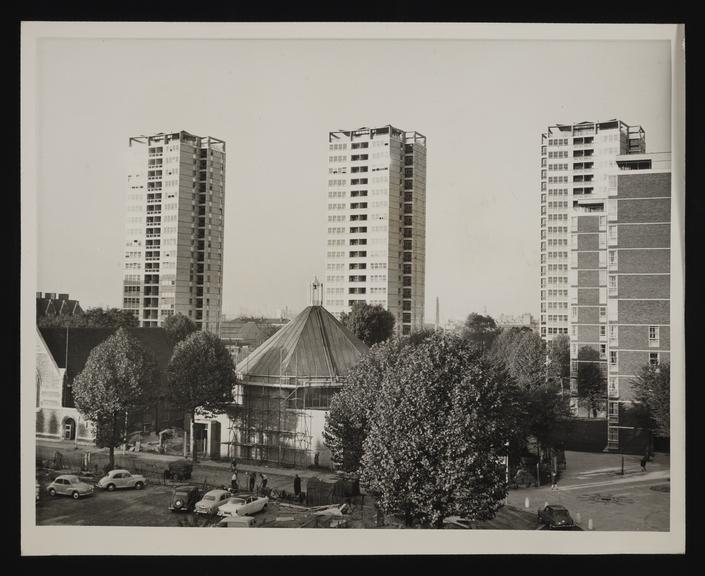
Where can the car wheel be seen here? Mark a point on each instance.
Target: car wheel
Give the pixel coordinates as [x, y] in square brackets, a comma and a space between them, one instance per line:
[52, 492]
[110, 487]
[139, 486]
[75, 495]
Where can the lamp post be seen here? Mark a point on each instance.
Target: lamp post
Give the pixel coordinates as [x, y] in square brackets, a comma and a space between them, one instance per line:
[506, 445]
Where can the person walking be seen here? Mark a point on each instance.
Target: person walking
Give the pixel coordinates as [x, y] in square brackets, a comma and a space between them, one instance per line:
[643, 462]
[297, 487]
[233, 482]
[252, 481]
[233, 465]
[264, 483]
[554, 484]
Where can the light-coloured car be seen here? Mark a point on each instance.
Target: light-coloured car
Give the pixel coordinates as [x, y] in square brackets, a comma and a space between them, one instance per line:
[211, 501]
[236, 522]
[243, 505]
[69, 485]
[121, 479]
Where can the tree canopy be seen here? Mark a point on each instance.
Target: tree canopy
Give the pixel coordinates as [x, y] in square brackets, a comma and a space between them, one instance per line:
[92, 318]
[480, 331]
[424, 421]
[590, 378]
[201, 375]
[559, 359]
[114, 381]
[371, 324]
[523, 354]
[179, 327]
[652, 388]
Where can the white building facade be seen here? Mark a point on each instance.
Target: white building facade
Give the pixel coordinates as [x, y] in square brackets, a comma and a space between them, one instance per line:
[377, 223]
[576, 161]
[174, 232]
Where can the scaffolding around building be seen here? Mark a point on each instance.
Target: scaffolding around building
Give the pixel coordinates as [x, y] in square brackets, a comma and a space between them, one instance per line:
[270, 420]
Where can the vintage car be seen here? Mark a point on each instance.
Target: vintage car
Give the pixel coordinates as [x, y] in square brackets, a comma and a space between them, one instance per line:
[236, 522]
[184, 498]
[179, 470]
[555, 517]
[211, 501]
[242, 505]
[121, 479]
[69, 485]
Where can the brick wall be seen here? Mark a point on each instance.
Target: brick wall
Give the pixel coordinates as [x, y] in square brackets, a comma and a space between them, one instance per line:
[644, 312]
[644, 261]
[644, 236]
[643, 210]
[644, 185]
[588, 260]
[656, 286]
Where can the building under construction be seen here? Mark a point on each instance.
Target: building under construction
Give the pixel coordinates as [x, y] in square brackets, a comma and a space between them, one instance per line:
[283, 393]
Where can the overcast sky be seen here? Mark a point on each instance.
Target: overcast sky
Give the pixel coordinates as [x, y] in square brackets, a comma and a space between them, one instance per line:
[481, 104]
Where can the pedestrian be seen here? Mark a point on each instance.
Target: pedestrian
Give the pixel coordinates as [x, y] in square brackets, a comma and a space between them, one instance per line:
[233, 482]
[297, 487]
[644, 460]
[264, 482]
[554, 484]
[252, 481]
[233, 466]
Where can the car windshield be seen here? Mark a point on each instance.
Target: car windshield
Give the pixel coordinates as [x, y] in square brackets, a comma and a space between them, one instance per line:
[561, 515]
[209, 497]
[74, 480]
[236, 501]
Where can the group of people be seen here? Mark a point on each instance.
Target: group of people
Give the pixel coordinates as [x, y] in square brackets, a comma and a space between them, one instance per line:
[251, 480]
[262, 487]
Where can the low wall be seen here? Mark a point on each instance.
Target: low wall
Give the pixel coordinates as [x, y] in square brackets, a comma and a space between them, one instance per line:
[582, 434]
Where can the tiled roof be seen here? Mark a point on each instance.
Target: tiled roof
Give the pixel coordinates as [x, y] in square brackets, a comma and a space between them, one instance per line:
[313, 345]
[82, 340]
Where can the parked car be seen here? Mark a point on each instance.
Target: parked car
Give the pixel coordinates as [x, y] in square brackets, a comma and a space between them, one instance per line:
[184, 498]
[211, 501]
[555, 517]
[69, 485]
[121, 479]
[243, 505]
[236, 522]
[179, 470]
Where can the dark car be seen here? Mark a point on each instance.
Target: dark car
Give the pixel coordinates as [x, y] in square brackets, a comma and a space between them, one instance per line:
[184, 498]
[179, 470]
[556, 517]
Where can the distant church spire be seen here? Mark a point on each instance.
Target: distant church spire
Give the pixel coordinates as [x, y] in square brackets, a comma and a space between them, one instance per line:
[316, 292]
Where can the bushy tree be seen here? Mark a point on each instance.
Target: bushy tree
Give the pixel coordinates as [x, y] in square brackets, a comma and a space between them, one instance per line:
[201, 376]
[559, 359]
[178, 327]
[115, 380]
[652, 388]
[590, 378]
[92, 318]
[480, 331]
[434, 421]
[371, 324]
[523, 354]
[542, 407]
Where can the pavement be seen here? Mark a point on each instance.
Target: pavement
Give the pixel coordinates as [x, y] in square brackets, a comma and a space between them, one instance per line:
[593, 488]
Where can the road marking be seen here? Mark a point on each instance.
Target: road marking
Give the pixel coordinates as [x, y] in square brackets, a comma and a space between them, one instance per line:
[652, 476]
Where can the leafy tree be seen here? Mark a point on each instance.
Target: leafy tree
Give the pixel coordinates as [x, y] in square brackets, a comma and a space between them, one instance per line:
[201, 376]
[652, 388]
[591, 380]
[179, 327]
[437, 416]
[371, 324]
[114, 382]
[481, 331]
[559, 359]
[523, 354]
[92, 318]
[348, 420]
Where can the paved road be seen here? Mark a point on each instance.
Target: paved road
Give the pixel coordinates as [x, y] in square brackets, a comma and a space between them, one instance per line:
[593, 487]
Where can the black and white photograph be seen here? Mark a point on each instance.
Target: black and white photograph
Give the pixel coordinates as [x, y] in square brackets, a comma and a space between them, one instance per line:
[387, 288]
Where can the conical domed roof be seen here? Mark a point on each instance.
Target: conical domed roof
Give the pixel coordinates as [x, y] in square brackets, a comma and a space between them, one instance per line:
[313, 345]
